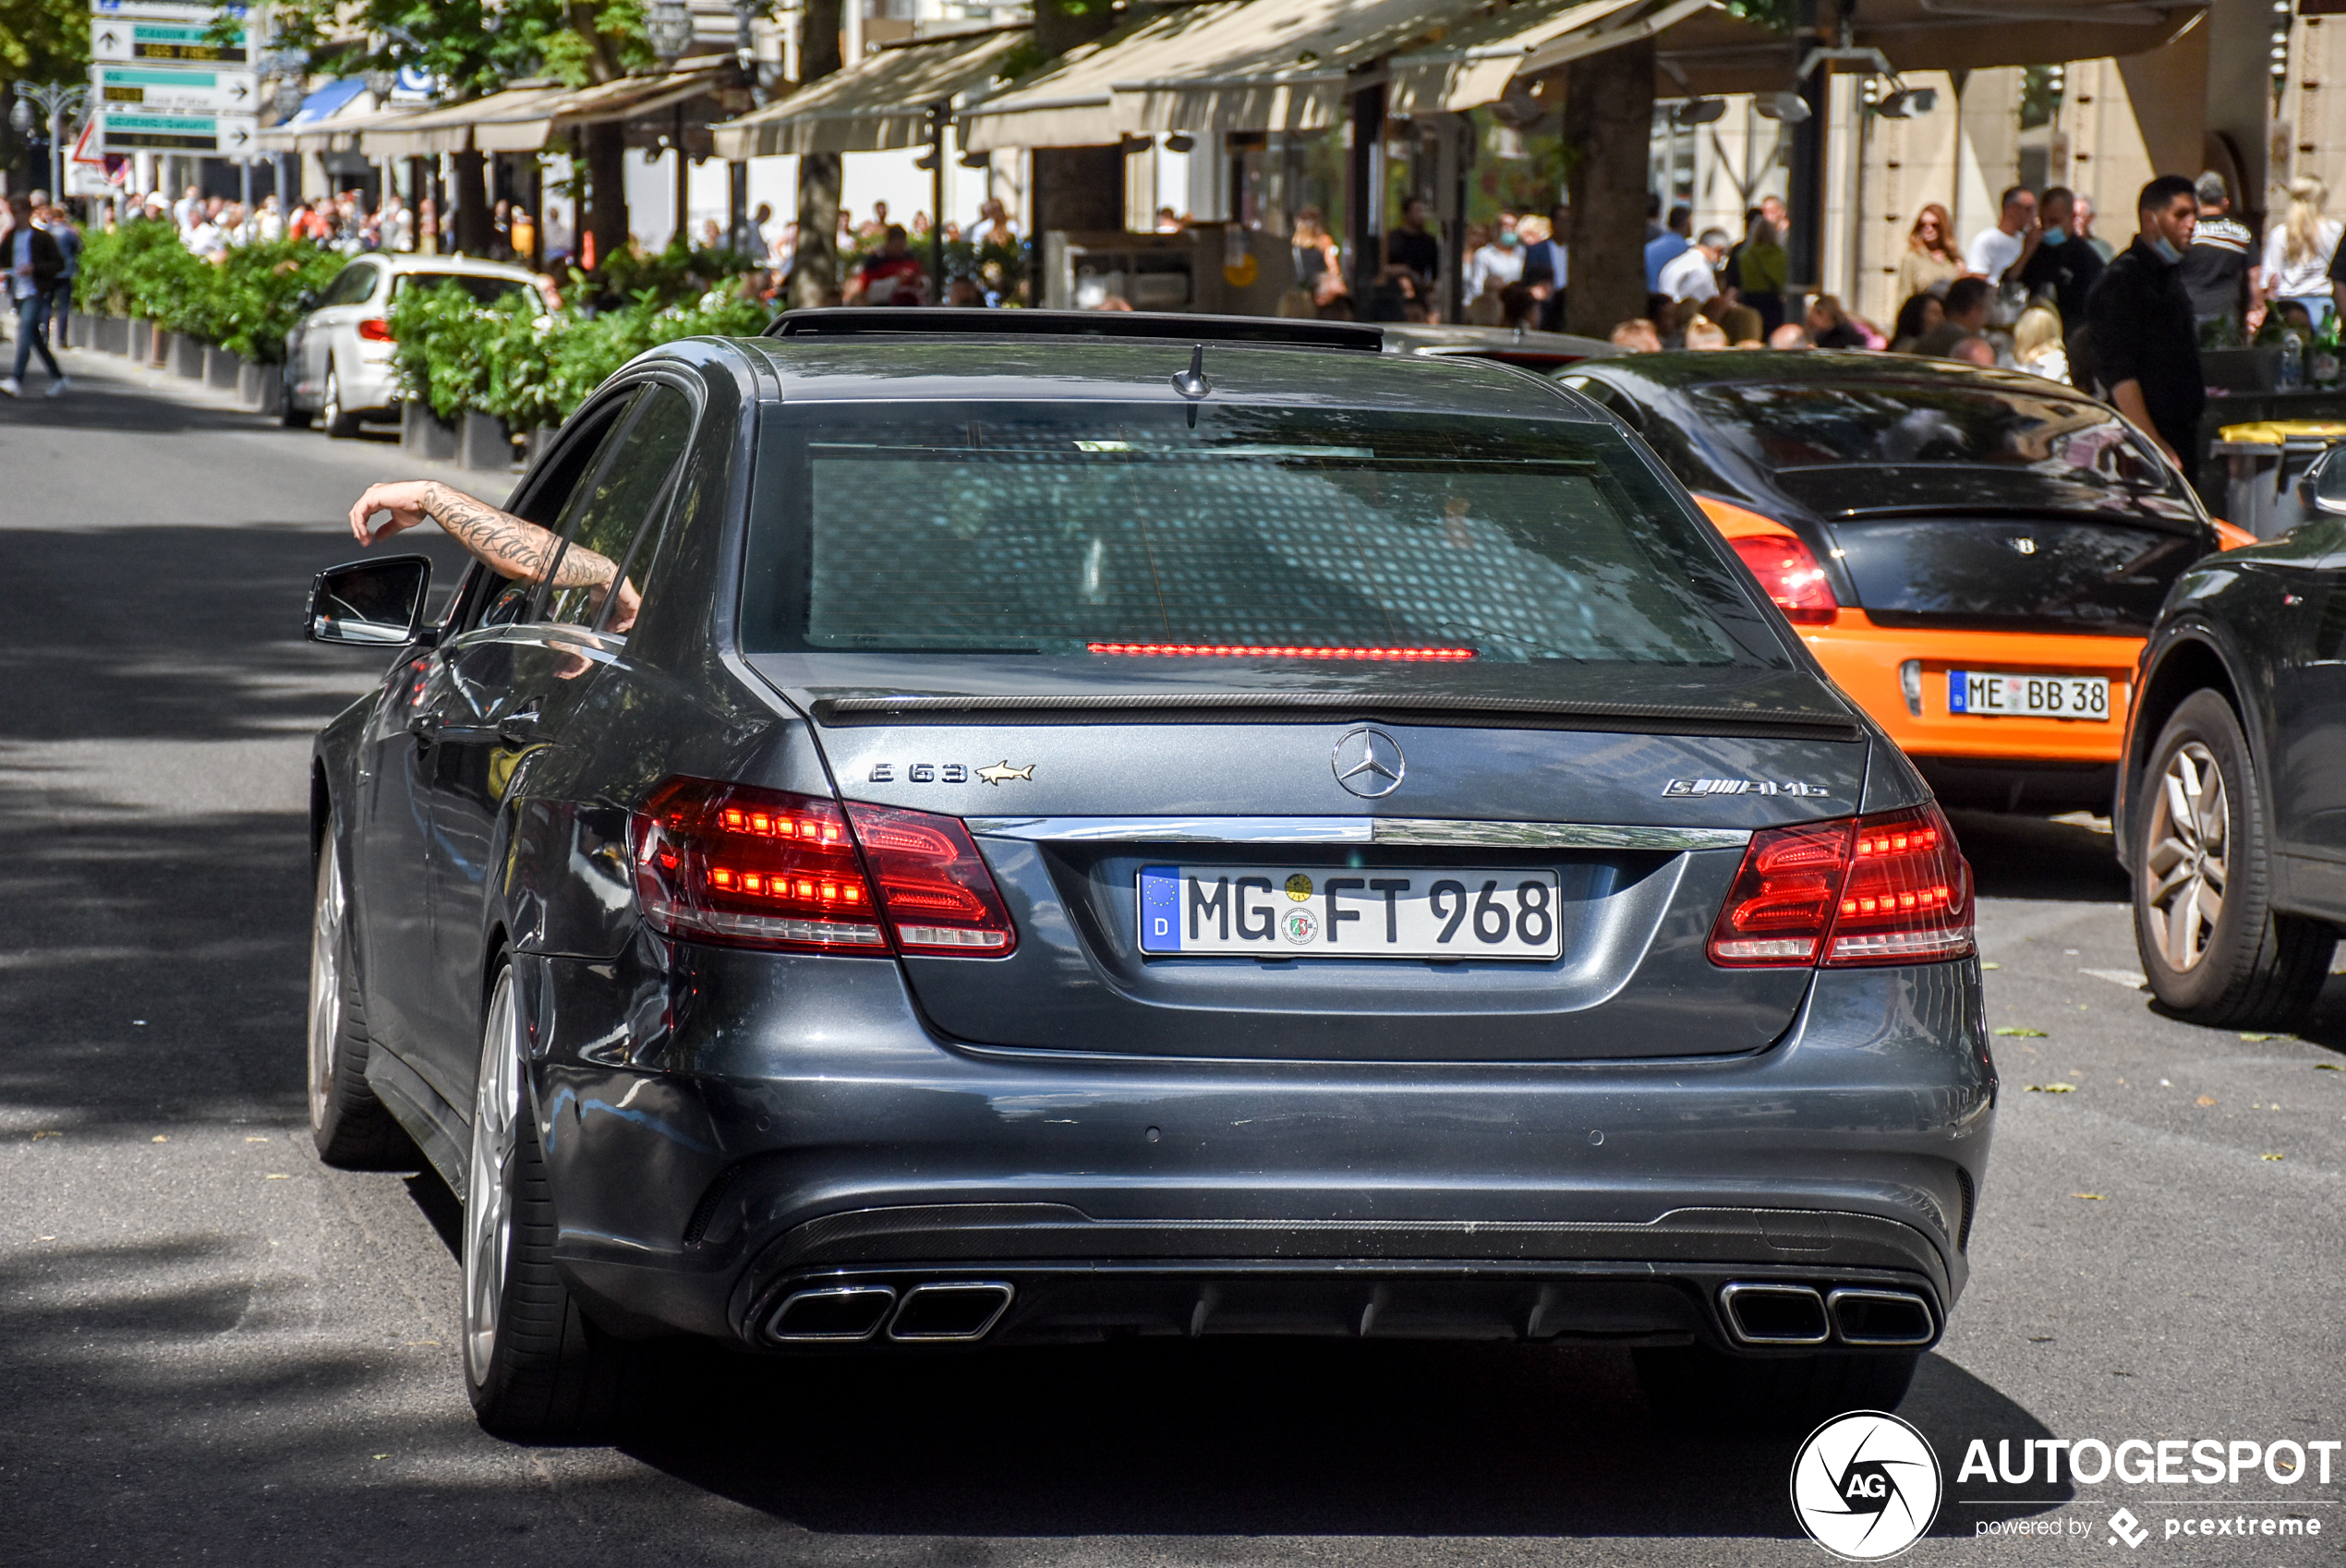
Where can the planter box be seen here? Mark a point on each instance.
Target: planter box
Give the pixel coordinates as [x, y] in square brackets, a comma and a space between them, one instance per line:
[111, 334]
[260, 387]
[219, 368]
[141, 342]
[484, 444]
[77, 330]
[535, 442]
[186, 356]
[423, 434]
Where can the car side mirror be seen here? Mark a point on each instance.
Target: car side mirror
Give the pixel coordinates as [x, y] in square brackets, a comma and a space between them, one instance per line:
[306, 301]
[374, 604]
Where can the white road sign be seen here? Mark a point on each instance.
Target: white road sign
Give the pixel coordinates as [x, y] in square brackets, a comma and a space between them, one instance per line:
[177, 88]
[152, 40]
[125, 130]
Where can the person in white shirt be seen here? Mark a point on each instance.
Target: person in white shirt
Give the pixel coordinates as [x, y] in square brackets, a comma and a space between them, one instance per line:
[1498, 263]
[268, 222]
[394, 224]
[207, 239]
[2298, 252]
[1693, 273]
[1993, 251]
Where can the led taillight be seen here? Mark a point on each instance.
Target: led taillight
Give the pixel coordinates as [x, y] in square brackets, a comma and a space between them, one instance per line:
[935, 890]
[756, 867]
[376, 330]
[1791, 576]
[1886, 889]
[763, 868]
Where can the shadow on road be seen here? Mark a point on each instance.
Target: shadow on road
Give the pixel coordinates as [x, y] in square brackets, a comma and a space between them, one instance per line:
[2031, 857]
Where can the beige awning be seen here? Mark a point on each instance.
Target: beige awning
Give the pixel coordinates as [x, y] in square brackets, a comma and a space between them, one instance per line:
[1477, 60]
[336, 133]
[1073, 105]
[881, 102]
[523, 119]
[1716, 53]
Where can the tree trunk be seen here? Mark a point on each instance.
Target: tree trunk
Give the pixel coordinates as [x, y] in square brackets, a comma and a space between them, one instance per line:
[815, 269]
[473, 229]
[605, 146]
[1608, 125]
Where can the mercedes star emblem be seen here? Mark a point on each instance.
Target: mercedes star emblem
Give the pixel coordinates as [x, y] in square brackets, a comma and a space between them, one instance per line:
[1369, 763]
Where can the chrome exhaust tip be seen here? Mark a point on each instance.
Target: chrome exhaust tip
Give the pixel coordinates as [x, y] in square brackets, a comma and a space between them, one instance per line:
[1882, 1317]
[834, 1314]
[1774, 1314]
[956, 1309]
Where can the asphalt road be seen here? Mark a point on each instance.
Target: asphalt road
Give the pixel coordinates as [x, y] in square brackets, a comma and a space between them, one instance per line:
[214, 1348]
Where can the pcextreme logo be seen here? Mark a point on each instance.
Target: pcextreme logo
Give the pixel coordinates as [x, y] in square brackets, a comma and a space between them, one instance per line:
[1866, 1485]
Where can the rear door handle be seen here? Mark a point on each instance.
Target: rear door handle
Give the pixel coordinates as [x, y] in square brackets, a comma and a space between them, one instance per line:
[424, 725]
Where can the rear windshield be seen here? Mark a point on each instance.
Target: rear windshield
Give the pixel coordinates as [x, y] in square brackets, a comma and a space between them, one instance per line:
[1089, 528]
[2052, 433]
[485, 290]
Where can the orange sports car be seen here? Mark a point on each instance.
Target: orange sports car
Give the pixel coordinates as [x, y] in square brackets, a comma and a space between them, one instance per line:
[1976, 556]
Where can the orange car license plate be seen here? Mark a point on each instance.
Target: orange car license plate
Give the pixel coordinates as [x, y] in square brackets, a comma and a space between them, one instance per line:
[1989, 695]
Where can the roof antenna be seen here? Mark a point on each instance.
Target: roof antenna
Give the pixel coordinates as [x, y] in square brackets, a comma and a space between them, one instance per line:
[1191, 384]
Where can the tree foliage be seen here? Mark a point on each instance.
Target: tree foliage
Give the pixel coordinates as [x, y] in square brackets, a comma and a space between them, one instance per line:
[473, 47]
[44, 40]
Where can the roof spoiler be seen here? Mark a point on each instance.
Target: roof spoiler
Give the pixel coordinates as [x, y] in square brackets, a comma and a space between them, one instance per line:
[947, 320]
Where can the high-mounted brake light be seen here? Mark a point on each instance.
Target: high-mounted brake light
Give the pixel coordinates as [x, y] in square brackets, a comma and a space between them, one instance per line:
[1886, 889]
[374, 329]
[763, 868]
[1791, 576]
[1244, 650]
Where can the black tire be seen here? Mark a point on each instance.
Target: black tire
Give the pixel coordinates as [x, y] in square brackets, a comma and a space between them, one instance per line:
[543, 1373]
[1699, 1385]
[2248, 965]
[350, 1126]
[341, 423]
[290, 416]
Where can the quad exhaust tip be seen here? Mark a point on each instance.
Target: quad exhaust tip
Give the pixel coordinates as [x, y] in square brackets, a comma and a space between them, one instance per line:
[939, 1312]
[1799, 1314]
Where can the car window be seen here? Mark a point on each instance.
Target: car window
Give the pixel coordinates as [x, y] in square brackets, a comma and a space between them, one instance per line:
[609, 528]
[501, 601]
[484, 289]
[1074, 529]
[351, 285]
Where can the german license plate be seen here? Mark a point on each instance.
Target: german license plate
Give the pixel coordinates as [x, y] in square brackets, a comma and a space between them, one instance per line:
[1990, 694]
[1286, 912]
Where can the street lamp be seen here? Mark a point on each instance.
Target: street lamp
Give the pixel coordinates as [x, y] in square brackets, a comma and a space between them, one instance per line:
[56, 101]
[669, 24]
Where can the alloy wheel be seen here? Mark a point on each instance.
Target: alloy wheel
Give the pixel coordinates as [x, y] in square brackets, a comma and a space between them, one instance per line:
[2188, 865]
[488, 1203]
[325, 987]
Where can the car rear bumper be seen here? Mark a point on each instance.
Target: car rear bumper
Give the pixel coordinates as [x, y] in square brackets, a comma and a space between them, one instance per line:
[1863, 660]
[793, 1127]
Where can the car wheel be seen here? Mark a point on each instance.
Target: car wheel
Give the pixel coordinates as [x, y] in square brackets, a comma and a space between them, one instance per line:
[1696, 1383]
[339, 421]
[289, 414]
[351, 1128]
[538, 1371]
[2212, 946]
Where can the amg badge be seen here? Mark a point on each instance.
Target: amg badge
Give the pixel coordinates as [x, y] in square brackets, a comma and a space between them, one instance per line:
[1740, 787]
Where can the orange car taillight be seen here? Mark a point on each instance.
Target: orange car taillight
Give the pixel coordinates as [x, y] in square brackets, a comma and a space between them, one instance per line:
[1791, 576]
[765, 868]
[1890, 888]
[937, 894]
[376, 330]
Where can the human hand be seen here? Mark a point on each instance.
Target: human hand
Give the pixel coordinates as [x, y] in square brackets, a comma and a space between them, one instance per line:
[403, 499]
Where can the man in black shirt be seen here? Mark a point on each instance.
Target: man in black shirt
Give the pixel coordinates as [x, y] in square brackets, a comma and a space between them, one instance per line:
[2216, 267]
[1547, 268]
[2058, 260]
[2145, 347]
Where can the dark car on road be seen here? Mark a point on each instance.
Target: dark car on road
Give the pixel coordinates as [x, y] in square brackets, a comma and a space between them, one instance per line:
[1124, 826]
[2232, 821]
[1974, 555]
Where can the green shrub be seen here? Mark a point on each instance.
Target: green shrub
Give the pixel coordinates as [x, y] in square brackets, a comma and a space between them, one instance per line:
[265, 290]
[245, 303]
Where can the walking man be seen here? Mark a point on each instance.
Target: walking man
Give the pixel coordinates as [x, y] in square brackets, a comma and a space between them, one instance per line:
[34, 266]
[2145, 345]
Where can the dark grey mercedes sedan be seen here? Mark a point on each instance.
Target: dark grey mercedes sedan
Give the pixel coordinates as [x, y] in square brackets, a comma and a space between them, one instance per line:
[1052, 827]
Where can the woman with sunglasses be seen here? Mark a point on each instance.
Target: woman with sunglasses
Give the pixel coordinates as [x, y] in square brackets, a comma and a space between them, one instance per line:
[1932, 256]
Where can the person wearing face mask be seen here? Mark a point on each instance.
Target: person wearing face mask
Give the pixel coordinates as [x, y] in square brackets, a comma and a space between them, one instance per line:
[1498, 265]
[2055, 262]
[2139, 322]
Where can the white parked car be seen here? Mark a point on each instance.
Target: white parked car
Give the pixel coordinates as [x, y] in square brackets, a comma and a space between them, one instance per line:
[338, 359]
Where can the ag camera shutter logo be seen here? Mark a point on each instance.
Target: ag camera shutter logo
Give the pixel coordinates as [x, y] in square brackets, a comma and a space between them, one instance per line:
[1866, 1485]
